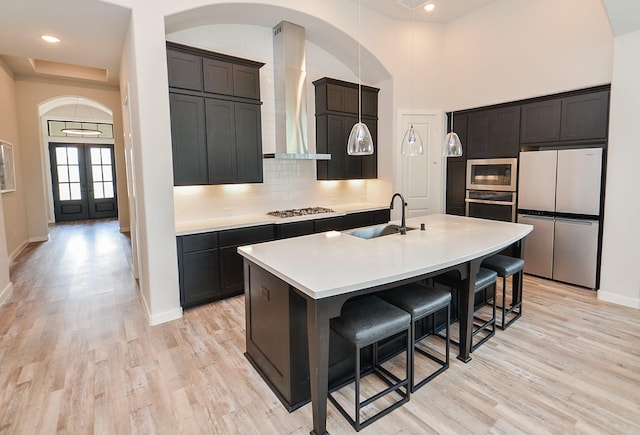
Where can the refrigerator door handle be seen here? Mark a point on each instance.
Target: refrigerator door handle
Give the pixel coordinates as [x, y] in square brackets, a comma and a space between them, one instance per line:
[578, 221]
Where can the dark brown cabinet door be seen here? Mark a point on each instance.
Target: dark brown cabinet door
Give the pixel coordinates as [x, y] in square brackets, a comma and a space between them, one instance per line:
[185, 70]
[188, 140]
[201, 279]
[478, 135]
[369, 164]
[585, 116]
[218, 76]
[456, 189]
[504, 136]
[199, 269]
[540, 122]
[493, 133]
[248, 145]
[246, 82]
[221, 140]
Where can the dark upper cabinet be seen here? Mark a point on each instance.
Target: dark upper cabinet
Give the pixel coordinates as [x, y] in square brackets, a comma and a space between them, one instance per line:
[184, 70]
[585, 116]
[337, 104]
[540, 121]
[456, 169]
[226, 78]
[248, 143]
[216, 131]
[221, 140]
[188, 139]
[233, 130]
[504, 138]
[493, 133]
[477, 135]
[456, 189]
[568, 119]
[218, 76]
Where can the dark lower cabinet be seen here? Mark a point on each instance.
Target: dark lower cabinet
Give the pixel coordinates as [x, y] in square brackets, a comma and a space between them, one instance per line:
[199, 270]
[232, 279]
[210, 267]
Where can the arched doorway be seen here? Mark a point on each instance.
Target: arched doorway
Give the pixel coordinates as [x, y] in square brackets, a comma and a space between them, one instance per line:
[81, 171]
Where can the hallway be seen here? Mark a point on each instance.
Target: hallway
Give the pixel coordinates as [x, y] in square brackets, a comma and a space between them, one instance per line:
[77, 356]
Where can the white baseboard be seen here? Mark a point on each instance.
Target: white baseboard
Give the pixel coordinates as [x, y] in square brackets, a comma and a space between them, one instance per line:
[39, 239]
[125, 229]
[5, 293]
[18, 251]
[165, 317]
[157, 319]
[619, 299]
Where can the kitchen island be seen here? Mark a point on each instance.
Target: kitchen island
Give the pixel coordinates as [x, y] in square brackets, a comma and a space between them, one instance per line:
[303, 282]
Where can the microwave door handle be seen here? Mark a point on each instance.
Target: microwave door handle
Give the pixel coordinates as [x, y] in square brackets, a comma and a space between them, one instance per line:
[486, 201]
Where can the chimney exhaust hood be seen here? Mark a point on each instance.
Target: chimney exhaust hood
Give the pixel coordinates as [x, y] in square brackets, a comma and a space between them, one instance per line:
[291, 94]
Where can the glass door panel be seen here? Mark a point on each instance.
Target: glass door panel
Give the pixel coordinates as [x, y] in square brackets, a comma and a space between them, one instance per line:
[83, 181]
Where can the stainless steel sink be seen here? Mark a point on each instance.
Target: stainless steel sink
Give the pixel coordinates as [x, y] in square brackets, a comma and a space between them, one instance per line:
[376, 231]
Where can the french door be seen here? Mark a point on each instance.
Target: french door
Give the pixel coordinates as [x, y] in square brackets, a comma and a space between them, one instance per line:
[84, 180]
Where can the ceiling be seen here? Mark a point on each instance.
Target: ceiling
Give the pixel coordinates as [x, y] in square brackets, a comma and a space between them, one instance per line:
[93, 32]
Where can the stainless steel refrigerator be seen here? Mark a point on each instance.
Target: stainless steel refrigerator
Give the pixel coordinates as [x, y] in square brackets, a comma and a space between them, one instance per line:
[559, 194]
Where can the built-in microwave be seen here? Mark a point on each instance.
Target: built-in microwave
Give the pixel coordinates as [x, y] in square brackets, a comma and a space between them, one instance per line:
[492, 174]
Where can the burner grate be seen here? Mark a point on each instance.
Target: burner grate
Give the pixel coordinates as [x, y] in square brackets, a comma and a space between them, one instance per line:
[299, 212]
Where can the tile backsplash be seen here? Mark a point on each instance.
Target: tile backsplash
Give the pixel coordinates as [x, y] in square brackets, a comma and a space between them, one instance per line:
[287, 184]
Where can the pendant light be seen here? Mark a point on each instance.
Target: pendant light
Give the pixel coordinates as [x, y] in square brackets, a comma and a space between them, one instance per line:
[82, 130]
[360, 142]
[412, 142]
[452, 144]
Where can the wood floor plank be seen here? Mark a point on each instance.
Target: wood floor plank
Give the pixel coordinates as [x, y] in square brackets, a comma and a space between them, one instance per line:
[77, 356]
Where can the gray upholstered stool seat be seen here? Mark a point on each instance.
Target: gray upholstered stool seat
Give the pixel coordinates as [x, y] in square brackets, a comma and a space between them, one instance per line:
[485, 278]
[422, 301]
[505, 267]
[364, 322]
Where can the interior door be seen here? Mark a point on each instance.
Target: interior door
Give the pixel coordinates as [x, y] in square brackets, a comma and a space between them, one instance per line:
[422, 177]
[83, 180]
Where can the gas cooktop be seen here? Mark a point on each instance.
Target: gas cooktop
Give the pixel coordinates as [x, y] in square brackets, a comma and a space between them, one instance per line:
[299, 212]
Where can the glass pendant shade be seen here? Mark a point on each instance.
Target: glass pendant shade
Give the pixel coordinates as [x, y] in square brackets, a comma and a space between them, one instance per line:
[360, 141]
[412, 143]
[452, 145]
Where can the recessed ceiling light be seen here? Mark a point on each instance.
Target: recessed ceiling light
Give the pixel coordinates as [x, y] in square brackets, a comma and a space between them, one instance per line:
[51, 39]
[429, 7]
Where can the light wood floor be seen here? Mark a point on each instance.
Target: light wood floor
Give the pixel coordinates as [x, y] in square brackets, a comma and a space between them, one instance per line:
[77, 356]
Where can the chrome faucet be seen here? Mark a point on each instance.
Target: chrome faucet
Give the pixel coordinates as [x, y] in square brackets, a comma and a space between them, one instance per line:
[403, 223]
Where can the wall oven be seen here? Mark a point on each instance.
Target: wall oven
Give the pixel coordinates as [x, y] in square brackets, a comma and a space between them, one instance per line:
[491, 189]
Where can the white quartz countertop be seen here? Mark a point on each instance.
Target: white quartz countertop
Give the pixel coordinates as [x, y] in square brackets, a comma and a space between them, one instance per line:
[331, 263]
[186, 225]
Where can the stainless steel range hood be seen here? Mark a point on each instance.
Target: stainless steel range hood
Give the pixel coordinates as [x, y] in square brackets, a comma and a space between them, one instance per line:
[291, 94]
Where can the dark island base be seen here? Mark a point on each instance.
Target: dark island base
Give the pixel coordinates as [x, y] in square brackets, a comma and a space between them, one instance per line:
[276, 340]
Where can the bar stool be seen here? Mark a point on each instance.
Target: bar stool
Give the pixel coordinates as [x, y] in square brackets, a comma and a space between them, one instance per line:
[484, 279]
[363, 322]
[421, 301]
[505, 267]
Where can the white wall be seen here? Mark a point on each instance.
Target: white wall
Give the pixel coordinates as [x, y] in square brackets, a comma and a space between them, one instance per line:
[144, 55]
[619, 281]
[516, 49]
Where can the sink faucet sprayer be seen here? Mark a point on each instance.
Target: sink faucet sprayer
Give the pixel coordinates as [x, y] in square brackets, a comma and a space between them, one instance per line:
[403, 224]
